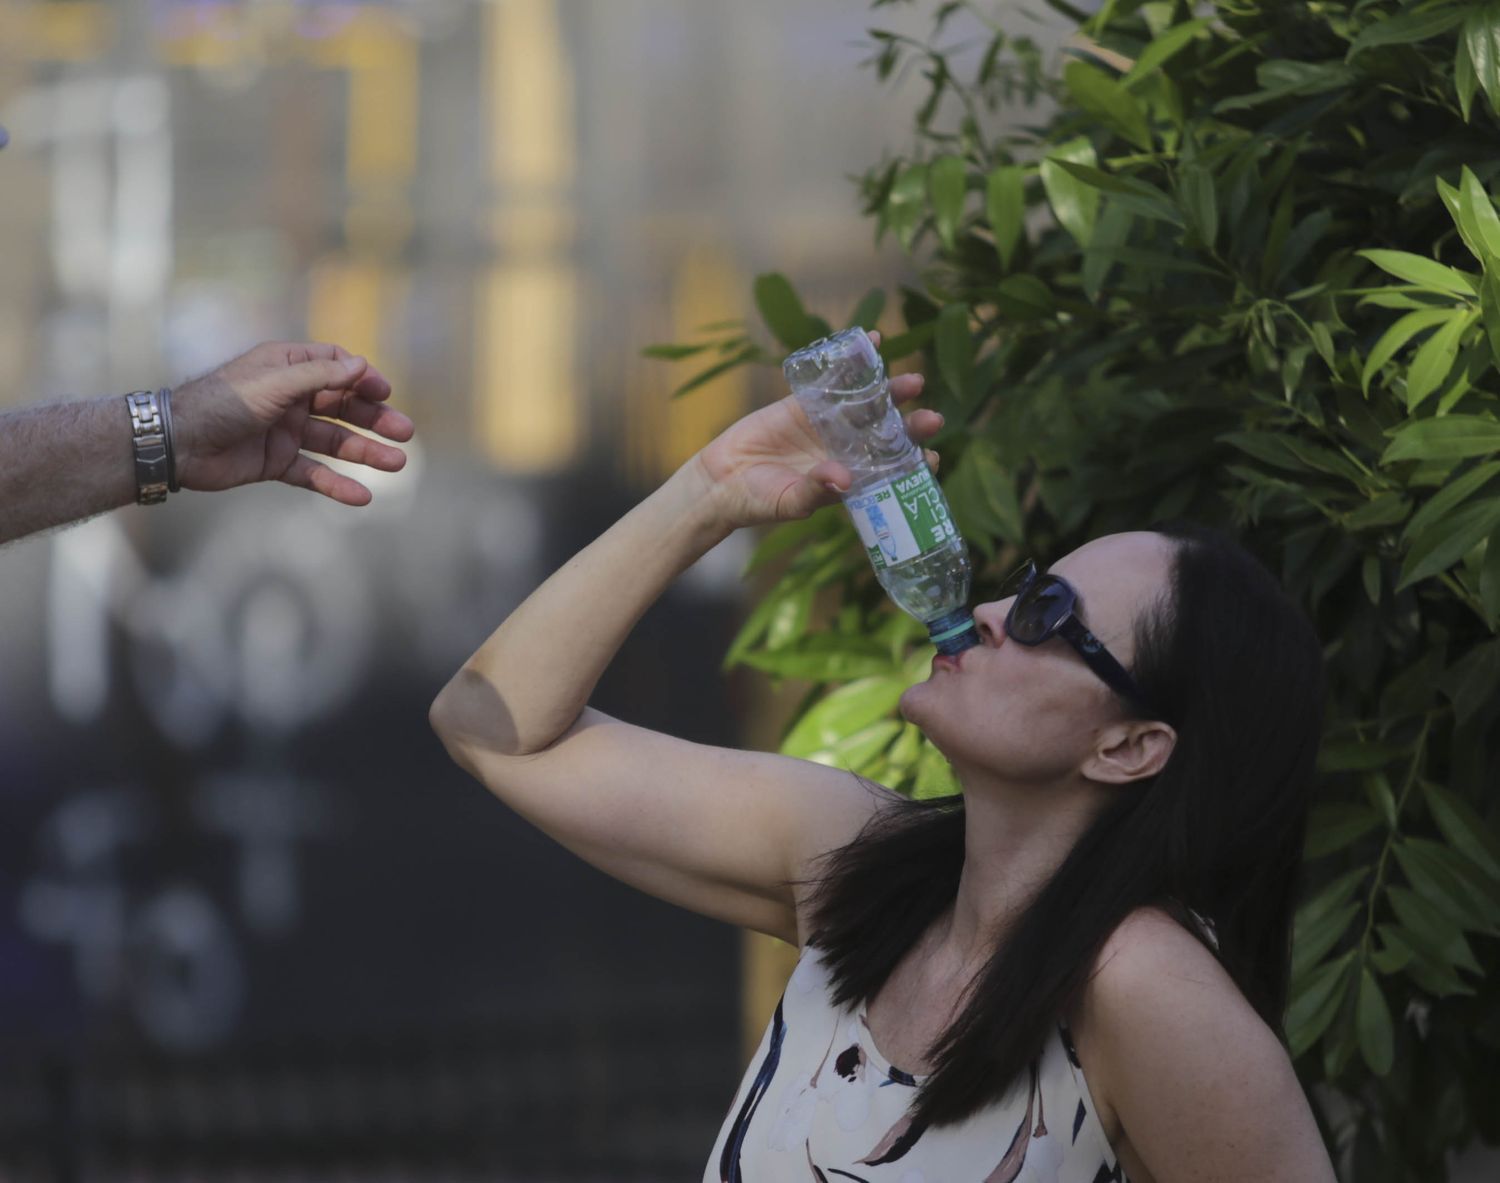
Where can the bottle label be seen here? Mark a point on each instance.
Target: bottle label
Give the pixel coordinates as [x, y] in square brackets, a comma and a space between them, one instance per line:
[902, 519]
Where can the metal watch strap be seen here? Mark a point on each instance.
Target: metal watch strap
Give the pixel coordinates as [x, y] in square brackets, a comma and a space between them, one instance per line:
[149, 433]
[164, 396]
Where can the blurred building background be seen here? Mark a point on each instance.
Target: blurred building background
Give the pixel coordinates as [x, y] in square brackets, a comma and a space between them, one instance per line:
[253, 924]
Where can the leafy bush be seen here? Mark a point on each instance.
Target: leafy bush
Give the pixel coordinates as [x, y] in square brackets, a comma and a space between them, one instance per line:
[1244, 268]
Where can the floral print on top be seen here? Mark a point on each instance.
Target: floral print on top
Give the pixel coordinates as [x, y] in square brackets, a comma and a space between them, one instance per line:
[819, 1104]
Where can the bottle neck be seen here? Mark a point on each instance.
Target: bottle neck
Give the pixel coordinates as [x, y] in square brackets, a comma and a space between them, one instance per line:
[953, 632]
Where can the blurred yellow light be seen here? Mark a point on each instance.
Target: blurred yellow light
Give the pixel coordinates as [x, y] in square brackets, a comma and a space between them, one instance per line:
[707, 288]
[530, 85]
[350, 303]
[525, 367]
[76, 31]
[384, 99]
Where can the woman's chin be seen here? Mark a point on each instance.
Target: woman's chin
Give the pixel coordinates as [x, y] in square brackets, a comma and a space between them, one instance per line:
[912, 702]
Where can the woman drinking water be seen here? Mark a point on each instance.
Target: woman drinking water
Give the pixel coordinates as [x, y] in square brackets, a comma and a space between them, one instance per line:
[1073, 971]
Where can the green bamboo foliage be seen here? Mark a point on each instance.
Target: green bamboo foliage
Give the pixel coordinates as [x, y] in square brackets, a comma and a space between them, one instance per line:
[1238, 261]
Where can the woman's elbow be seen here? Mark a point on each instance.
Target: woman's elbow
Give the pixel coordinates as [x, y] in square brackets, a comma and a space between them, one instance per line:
[469, 712]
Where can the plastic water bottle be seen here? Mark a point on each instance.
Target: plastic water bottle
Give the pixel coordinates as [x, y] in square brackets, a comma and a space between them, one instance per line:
[898, 507]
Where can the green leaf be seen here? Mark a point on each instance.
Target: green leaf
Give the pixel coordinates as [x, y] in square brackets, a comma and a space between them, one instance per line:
[1430, 869]
[1291, 452]
[823, 657]
[1476, 203]
[1425, 273]
[1164, 48]
[1282, 78]
[945, 181]
[784, 537]
[1452, 494]
[790, 618]
[855, 752]
[749, 353]
[1333, 827]
[984, 494]
[1422, 920]
[1465, 829]
[1425, 965]
[1382, 799]
[954, 346]
[1148, 260]
[1356, 755]
[674, 352]
[1398, 335]
[1387, 509]
[866, 314]
[1458, 211]
[1482, 38]
[1314, 1003]
[1390, 959]
[1199, 200]
[1074, 204]
[1111, 231]
[905, 203]
[1489, 578]
[1465, 82]
[1005, 206]
[1370, 575]
[1376, 1038]
[907, 343]
[1406, 29]
[844, 711]
[783, 313]
[1331, 896]
[1489, 307]
[1447, 541]
[1139, 197]
[1453, 437]
[934, 775]
[1434, 360]
[1472, 680]
[1109, 102]
[1024, 297]
[1312, 941]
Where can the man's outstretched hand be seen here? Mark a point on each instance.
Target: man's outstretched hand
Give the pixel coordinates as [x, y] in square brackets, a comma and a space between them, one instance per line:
[254, 418]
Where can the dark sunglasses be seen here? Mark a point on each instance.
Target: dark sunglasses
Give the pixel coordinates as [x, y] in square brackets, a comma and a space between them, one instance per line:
[1047, 606]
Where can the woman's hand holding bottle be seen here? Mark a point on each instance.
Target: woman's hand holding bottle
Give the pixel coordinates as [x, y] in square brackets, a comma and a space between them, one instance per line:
[771, 467]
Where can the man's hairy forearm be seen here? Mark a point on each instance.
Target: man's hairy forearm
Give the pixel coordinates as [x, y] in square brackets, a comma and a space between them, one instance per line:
[63, 462]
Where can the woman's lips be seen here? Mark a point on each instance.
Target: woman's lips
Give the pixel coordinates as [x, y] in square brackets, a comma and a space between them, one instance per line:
[948, 661]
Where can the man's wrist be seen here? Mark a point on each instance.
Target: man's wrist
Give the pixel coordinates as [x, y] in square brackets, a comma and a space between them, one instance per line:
[148, 429]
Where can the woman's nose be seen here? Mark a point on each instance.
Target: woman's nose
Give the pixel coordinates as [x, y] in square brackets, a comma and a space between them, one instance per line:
[990, 619]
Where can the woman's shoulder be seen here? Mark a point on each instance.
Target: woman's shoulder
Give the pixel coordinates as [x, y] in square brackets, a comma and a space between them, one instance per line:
[1151, 943]
[1152, 969]
[1158, 995]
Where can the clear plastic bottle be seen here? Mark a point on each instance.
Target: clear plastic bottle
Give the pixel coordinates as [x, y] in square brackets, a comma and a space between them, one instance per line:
[897, 505]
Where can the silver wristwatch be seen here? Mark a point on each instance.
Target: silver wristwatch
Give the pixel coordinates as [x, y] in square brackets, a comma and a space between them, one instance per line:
[149, 431]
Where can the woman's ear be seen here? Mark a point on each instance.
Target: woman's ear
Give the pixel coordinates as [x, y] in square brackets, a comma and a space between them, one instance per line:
[1131, 751]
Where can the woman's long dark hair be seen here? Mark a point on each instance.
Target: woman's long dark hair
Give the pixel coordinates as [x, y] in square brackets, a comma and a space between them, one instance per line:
[1235, 667]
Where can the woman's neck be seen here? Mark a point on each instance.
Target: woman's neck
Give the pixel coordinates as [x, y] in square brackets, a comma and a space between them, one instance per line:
[1013, 843]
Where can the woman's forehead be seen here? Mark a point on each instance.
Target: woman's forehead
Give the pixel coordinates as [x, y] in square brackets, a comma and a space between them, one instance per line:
[1119, 572]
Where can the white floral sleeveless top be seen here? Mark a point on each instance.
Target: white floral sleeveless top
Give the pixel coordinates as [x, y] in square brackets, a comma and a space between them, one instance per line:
[819, 1104]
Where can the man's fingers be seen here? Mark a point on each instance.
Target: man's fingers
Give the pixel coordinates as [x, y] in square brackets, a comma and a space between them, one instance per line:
[905, 387]
[319, 374]
[373, 385]
[330, 439]
[376, 417]
[307, 473]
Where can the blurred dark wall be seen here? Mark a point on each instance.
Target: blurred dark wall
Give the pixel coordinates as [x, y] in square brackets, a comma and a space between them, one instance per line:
[252, 917]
